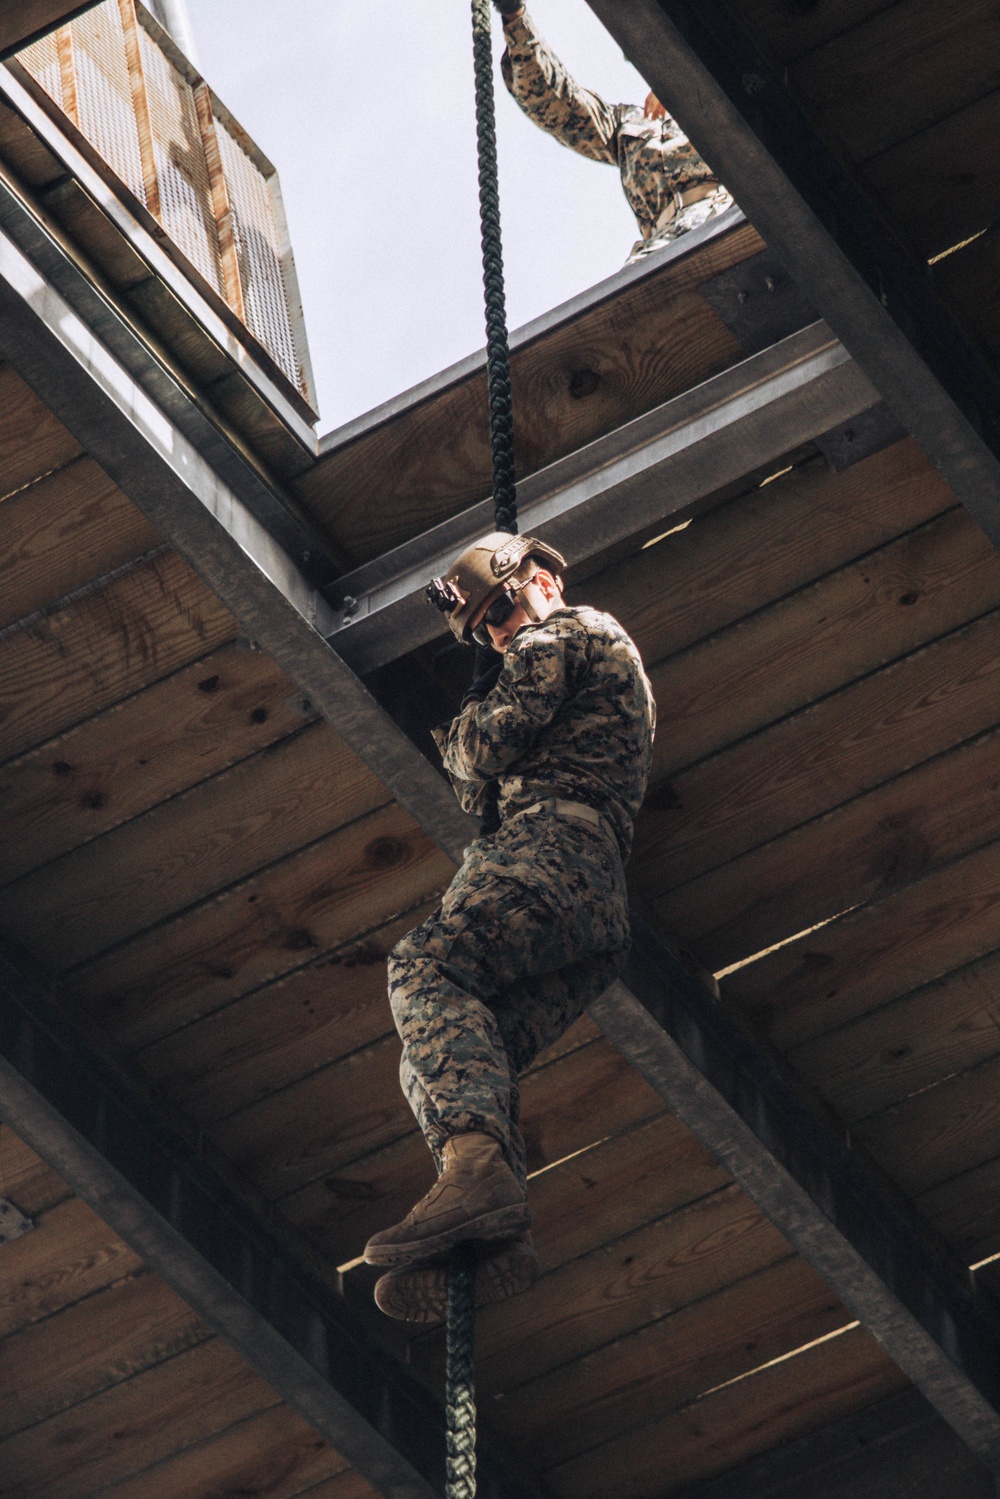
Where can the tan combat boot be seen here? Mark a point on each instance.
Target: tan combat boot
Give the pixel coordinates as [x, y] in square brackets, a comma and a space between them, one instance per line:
[419, 1292]
[477, 1196]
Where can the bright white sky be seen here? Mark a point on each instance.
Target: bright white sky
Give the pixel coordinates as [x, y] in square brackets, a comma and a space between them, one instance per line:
[365, 107]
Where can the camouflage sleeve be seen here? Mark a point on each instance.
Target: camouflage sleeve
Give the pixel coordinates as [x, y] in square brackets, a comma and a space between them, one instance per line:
[547, 94]
[489, 737]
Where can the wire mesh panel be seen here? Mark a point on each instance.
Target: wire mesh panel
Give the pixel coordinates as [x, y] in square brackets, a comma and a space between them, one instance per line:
[104, 93]
[42, 61]
[265, 298]
[179, 151]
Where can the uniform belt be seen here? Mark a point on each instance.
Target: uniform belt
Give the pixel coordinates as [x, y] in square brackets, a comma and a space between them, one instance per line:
[559, 808]
[691, 195]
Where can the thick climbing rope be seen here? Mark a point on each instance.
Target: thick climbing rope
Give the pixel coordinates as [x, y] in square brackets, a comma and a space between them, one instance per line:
[460, 1394]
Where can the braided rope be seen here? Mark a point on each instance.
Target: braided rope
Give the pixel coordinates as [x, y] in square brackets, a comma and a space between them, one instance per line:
[460, 1390]
[497, 352]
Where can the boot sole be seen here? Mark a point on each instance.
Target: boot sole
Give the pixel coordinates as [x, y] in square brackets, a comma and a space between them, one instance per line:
[420, 1293]
[502, 1223]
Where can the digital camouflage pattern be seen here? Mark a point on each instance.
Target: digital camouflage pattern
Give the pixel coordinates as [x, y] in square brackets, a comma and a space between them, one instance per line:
[535, 924]
[655, 158]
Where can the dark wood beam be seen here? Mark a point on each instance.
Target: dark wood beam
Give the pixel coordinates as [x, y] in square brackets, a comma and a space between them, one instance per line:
[25, 21]
[812, 214]
[107, 1140]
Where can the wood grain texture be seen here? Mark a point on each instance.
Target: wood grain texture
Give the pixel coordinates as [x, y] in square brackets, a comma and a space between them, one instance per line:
[182, 852]
[966, 1210]
[140, 752]
[32, 441]
[873, 955]
[259, 1044]
[71, 664]
[653, 341]
[127, 1428]
[957, 166]
[68, 1256]
[765, 544]
[270, 1455]
[729, 1425]
[899, 73]
[333, 892]
[21, 149]
[787, 30]
[63, 531]
[668, 1364]
[92, 1346]
[25, 1178]
[900, 1048]
[816, 640]
[855, 854]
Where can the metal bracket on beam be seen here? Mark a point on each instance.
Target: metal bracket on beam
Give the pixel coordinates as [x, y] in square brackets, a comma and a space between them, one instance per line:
[758, 301]
[13, 1223]
[870, 1255]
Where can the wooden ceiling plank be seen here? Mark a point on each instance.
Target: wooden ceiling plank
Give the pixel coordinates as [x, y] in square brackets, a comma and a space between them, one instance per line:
[128, 1427]
[32, 441]
[732, 1424]
[141, 751]
[186, 850]
[957, 164]
[21, 21]
[259, 1043]
[67, 666]
[790, 31]
[921, 820]
[667, 1364]
[31, 1185]
[333, 892]
[765, 544]
[820, 638]
[63, 530]
[92, 1346]
[966, 1209]
[272, 1454]
[826, 754]
[68, 1256]
[969, 281]
[868, 957]
[900, 72]
[881, 1058]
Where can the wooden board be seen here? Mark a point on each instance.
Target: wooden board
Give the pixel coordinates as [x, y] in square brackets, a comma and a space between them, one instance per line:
[125, 1429]
[431, 461]
[139, 752]
[873, 955]
[819, 638]
[969, 283]
[63, 531]
[966, 1209]
[899, 73]
[666, 1364]
[31, 1185]
[729, 1425]
[92, 1346]
[334, 892]
[32, 441]
[270, 1455]
[189, 848]
[763, 545]
[855, 854]
[787, 30]
[884, 1057]
[69, 665]
[68, 1256]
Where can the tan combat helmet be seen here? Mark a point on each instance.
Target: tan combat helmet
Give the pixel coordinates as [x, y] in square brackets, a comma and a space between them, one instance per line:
[496, 561]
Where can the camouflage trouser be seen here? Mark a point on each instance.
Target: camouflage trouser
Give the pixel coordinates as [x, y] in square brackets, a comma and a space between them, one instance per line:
[532, 928]
[690, 217]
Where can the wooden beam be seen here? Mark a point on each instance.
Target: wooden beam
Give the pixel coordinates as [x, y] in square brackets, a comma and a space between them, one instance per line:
[26, 21]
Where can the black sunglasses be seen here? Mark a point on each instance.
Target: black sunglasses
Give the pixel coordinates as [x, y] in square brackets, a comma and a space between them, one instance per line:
[497, 614]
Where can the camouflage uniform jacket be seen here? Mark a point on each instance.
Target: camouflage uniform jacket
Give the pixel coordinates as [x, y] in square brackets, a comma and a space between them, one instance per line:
[571, 716]
[656, 160]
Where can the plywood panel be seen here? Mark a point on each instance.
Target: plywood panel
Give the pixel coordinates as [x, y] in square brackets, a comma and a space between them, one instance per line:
[879, 841]
[355, 881]
[873, 955]
[729, 1425]
[92, 1346]
[70, 1254]
[62, 532]
[32, 441]
[735, 560]
[930, 581]
[125, 1429]
[71, 664]
[270, 1455]
[667, 1364]
[820, 757]
[181, 852]
[140, 752]
[653, 341]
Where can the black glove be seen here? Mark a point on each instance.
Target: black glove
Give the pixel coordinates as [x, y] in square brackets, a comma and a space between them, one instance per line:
[508, 7]
[488, 667]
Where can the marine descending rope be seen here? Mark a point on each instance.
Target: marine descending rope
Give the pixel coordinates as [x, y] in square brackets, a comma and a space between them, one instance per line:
[460, 1397]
